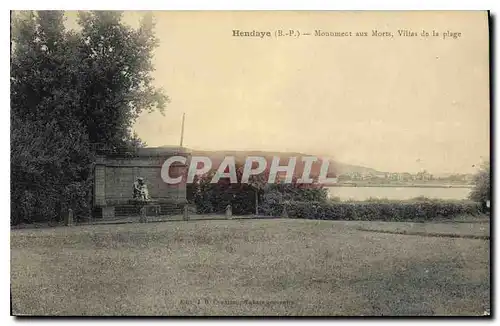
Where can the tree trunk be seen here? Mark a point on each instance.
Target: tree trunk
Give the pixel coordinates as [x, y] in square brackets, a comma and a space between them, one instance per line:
[256, 202]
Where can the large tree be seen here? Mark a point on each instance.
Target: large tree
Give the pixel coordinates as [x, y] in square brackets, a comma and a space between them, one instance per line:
[73, 92]
[116, 67]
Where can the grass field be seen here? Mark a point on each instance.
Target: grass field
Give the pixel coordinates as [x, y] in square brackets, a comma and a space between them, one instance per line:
[247, 267]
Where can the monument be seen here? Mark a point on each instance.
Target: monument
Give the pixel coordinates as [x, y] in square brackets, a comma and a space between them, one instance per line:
[115, 173]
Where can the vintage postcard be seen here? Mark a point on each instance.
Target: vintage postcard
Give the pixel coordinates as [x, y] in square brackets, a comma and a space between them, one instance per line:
[250, 163]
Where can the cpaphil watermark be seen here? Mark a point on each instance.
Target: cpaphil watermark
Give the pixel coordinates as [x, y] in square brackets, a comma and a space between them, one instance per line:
[201, 165]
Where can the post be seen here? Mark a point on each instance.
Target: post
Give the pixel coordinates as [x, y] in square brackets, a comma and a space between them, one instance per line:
[143, 217]
[284, 214]
[186, 213]
[229, 212]
[182, 128]
[69, 218]
[256, 202]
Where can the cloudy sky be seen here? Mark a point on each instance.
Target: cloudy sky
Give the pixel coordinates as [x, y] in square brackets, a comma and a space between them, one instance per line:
[393, 104]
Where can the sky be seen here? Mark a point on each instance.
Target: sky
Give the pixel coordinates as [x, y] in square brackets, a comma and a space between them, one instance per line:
[400, 104]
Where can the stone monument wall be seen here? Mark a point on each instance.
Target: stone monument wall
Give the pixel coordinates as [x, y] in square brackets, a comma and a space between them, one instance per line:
[114, 178]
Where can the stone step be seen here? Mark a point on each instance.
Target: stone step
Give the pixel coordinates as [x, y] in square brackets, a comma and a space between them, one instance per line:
[152, 209]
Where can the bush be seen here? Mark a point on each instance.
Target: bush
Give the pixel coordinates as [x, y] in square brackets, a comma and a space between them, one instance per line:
[299, 192]
[214, 197]
[482, 187]
[376, 211]
[271, 203]
[50, 172]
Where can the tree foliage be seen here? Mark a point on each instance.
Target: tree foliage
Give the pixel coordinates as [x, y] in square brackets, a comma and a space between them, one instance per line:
[214, 197]
[70, 91]
[116, 66]
[482, 187]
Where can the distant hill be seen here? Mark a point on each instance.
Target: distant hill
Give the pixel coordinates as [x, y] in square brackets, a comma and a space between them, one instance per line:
[343, 168]
[334, 169]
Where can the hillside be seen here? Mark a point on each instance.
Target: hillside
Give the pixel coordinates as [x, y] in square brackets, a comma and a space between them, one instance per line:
[343, 168]
[335, 168]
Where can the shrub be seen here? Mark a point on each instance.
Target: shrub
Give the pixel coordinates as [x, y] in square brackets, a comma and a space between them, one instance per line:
[214, 197]
[271, 203]
[376, 211]
[482, 186]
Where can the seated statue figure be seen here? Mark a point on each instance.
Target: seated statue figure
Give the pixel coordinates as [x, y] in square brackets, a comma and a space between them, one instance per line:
[141, 190]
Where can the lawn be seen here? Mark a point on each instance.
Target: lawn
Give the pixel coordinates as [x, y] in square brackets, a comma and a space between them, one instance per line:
[246, 267]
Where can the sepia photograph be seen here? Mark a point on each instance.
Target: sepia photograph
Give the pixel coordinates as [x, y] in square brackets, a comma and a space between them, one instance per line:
[250, 163]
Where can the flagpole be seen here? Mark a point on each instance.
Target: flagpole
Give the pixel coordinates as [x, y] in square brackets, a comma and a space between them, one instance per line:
[182, 128]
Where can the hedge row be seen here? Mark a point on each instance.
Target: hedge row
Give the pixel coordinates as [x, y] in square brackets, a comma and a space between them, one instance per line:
[375, 211]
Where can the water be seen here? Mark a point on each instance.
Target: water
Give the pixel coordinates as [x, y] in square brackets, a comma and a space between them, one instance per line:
[363, 193]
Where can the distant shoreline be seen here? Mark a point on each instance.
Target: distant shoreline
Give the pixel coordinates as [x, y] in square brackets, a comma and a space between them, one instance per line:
[389, 185]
